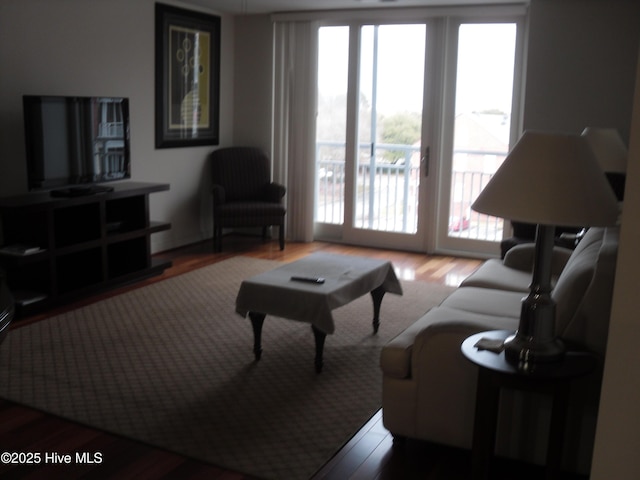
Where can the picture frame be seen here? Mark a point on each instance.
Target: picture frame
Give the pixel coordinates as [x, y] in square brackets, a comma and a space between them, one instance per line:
[187, 77]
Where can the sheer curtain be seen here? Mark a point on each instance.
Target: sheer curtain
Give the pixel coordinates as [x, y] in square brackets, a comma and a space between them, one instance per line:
[294, 123]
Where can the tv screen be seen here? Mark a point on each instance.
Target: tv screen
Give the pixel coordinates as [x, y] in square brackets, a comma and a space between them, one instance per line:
[76, 140]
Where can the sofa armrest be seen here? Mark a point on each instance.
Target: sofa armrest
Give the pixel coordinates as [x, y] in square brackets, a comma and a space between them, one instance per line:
[406, 353]
[520, 257]
[428, 386]
[395, 357]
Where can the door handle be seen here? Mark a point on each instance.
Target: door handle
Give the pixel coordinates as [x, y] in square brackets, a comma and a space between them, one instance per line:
[425, 160]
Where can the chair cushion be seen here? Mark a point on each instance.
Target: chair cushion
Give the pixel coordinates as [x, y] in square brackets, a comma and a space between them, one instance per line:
[248, 214]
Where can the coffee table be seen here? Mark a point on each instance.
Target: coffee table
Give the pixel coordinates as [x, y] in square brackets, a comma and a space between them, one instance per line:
[344, 279]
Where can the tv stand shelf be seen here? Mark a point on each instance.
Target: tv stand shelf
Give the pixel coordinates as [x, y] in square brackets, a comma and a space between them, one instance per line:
[77, 245]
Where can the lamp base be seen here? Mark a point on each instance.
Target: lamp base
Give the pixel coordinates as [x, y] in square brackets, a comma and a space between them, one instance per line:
[525, 351]
[535, 340]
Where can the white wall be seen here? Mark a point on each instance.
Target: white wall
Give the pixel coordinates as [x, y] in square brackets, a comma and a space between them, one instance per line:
[581, 64]
[616, 453]
[106, 47]
[253, 81]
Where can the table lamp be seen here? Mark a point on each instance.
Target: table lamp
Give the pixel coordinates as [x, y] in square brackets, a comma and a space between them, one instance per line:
[547, 179]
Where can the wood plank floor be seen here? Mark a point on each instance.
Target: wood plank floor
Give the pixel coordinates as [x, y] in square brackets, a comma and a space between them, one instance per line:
[370, 454]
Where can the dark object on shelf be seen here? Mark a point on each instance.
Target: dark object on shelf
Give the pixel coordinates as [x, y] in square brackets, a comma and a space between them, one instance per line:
[243, 193]
[87, 243]
[6, 307]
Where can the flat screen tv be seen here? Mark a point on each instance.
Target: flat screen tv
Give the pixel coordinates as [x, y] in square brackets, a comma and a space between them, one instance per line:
[75, 143]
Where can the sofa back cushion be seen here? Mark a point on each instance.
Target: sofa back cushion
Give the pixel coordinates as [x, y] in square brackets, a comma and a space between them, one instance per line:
[584, 289]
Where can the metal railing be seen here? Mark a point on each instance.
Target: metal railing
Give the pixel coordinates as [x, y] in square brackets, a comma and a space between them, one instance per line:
[386, 191]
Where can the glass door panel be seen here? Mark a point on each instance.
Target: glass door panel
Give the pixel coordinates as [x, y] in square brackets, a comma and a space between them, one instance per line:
[391, 89]
[482, 125]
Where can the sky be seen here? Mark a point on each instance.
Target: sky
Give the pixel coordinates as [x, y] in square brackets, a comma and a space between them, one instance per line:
[485, 65]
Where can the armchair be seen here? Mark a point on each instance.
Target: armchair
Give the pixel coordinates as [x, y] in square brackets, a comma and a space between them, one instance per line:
[243, 193]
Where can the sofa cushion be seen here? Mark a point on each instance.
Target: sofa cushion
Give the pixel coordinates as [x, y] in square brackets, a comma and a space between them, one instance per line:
[585, 320]
[493, 274]
[576, 277]
[515, 272]
[486, 301]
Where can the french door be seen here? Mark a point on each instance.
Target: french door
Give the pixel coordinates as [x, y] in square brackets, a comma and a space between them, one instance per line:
[386, 132]
[369, 134]
[481, 120]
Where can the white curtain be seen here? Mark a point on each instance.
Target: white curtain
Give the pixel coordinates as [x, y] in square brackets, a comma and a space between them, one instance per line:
[294, 123]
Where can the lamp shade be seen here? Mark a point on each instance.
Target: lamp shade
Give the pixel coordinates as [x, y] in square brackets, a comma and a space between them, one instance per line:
[550, 179]
[608, 148]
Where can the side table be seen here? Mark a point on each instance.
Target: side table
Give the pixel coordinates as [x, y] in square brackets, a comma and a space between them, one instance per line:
[495, 373]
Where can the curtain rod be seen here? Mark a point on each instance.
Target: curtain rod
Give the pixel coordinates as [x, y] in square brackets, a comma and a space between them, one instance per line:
[413, 13]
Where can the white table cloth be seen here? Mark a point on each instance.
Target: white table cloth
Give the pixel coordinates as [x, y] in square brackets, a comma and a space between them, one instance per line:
[347, 277]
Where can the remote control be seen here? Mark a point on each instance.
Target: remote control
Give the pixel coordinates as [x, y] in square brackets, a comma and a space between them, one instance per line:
[317, 280]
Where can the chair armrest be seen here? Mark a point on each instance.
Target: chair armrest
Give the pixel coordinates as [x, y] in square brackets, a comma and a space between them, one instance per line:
[218, 193]
[275, 192]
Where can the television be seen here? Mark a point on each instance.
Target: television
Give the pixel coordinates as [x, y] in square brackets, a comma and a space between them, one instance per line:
[73, 144]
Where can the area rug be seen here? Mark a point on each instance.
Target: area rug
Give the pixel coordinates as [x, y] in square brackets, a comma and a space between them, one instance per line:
[171, 364]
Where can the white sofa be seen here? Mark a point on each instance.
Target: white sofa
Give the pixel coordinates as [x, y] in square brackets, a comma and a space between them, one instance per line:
[429, 388]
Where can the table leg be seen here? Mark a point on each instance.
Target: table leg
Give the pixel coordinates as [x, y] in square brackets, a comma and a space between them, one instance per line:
[376, 296]
[559, 412]
[484, 427]
[319, 337]
[257, 319]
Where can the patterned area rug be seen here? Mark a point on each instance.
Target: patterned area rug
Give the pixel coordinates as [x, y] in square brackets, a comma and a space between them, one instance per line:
[171, 364]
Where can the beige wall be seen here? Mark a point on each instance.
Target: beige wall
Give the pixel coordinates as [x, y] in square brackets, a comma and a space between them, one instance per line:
[616, 453]
[254, 81]
[106, 47]
[581, 64]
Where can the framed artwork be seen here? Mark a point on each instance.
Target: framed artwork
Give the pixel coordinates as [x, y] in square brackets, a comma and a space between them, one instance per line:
[187, 78]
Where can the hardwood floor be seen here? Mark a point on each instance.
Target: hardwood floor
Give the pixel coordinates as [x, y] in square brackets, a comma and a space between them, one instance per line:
[370, 454]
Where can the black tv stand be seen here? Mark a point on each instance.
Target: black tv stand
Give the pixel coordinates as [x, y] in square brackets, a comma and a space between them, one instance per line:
[76, 246]
[80, 191]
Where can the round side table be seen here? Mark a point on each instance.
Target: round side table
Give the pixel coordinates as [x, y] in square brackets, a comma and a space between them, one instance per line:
[495, 373]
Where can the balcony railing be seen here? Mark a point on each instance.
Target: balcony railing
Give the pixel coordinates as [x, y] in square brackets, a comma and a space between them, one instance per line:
[386, 193]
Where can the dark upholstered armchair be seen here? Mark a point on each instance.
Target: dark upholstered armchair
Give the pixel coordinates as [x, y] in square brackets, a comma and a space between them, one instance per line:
[243, 193]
